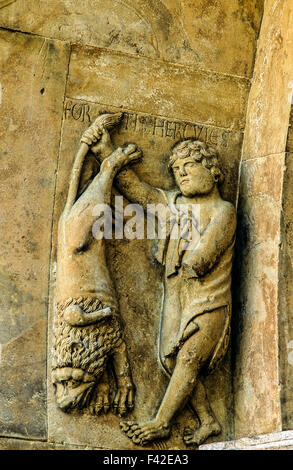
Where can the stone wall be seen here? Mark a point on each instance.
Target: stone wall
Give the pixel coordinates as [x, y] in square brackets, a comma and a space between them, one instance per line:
[176, 69]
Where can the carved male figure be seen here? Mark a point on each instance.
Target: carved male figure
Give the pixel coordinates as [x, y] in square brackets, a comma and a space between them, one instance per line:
[87, 326]
[196, 310]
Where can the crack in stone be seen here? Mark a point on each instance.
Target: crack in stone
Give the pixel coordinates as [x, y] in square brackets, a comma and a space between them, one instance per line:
[5, 3]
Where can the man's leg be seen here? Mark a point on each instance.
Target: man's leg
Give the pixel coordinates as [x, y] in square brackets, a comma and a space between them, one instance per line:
[191, 358]
[209, 425]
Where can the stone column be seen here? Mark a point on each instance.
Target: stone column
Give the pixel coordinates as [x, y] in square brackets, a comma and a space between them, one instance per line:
[262, 370]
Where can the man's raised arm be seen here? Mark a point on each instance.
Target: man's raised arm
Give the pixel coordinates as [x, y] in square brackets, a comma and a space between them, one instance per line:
[136, 190]
[127, 180]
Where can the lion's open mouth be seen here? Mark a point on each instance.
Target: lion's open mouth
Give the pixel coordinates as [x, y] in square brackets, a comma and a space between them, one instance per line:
[73, 387]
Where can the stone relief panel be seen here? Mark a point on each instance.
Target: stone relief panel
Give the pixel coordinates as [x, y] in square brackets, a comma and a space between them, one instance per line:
[219, 36]
[154, 121]
[138, 280]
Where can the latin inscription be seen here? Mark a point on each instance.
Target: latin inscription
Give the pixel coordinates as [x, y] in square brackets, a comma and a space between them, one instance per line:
[77, 111]
[150, 125]
[172, 129]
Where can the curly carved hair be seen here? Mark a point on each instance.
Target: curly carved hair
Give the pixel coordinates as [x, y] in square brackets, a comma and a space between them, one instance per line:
[200, 152]
[88, 347]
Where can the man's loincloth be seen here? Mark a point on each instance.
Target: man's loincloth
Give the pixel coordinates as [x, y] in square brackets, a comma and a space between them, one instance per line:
[192, 328]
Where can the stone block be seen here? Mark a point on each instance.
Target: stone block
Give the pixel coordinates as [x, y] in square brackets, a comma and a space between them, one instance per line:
[156, 87]
[219, 36]
[274, 441]
[271, 92]
[23, 444]
[33, 74]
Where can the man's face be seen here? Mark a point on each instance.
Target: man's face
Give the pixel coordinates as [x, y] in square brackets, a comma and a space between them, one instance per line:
[192, 178]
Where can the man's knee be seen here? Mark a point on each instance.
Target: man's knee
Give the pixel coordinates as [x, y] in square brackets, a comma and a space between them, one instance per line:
[188, 359]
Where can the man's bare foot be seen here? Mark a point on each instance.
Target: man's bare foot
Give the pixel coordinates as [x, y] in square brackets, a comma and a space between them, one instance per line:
[142, 433]
[200, 435]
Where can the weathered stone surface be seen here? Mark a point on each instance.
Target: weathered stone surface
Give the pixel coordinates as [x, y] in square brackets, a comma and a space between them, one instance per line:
[22, 444]
[286, 298]
[23, 383]
[275, 441]
[256, 380]
[162, 102]
[289, 147]
[218, 36]
[33, 72]
[267, 133]
[271, 92]
[157, 88]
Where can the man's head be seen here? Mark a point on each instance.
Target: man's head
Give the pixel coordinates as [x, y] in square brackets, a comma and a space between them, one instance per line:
[195, 166]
